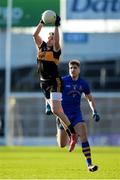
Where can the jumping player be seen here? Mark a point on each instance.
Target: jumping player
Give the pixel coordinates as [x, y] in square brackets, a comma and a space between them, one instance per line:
[48, 55]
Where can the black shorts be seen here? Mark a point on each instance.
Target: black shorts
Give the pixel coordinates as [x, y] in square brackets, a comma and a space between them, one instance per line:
[52, 85]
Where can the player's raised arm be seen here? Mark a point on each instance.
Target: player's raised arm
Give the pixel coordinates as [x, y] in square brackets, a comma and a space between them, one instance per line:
[36, 36]
[56, 34]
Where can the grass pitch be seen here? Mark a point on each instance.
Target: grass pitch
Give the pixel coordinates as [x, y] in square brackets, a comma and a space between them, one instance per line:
[56, 163]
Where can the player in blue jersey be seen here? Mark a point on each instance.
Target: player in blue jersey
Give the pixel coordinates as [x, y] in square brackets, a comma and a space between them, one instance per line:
[74, 87]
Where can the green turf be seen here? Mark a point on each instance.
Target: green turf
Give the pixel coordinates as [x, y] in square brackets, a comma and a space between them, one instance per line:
[56, 163]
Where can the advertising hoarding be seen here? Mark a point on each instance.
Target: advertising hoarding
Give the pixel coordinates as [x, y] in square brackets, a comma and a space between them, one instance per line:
[92, 9]
[27, 13]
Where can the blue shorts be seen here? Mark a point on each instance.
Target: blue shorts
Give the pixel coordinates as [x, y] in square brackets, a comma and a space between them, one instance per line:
[74, 118]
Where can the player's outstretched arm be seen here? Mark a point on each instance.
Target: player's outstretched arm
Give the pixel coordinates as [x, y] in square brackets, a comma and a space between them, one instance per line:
[38, 40]
[92, 105]
[56, 33]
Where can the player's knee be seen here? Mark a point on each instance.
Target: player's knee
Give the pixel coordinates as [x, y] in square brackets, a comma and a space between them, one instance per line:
[55, 111]
[61, 145]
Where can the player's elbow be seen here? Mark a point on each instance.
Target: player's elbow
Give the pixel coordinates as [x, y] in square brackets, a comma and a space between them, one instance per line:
[34, 35]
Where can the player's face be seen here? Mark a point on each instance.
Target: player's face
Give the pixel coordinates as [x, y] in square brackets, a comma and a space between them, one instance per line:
[74, 71]
[50, 39]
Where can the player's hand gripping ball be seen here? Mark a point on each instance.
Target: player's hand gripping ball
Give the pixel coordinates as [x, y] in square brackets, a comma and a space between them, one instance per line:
[49, 17]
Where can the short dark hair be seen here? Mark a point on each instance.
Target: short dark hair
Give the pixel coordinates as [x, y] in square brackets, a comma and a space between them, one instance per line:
[74, 62]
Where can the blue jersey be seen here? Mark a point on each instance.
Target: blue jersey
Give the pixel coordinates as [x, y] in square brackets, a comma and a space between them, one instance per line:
[71, 97]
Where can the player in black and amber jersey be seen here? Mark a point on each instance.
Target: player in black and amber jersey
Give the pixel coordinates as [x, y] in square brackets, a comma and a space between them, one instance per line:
[48, 55]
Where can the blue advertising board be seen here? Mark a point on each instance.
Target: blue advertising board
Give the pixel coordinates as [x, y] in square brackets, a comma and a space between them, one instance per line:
[75, 37]
[93, 9]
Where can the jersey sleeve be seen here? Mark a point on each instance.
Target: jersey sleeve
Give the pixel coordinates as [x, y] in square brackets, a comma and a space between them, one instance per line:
[86, 88]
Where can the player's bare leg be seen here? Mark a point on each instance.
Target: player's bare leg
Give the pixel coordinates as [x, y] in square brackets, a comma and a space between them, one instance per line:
[63, 137]
[58, 111]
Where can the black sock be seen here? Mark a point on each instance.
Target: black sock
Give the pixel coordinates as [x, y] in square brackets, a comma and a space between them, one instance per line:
[70, 127]
[68, 132]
